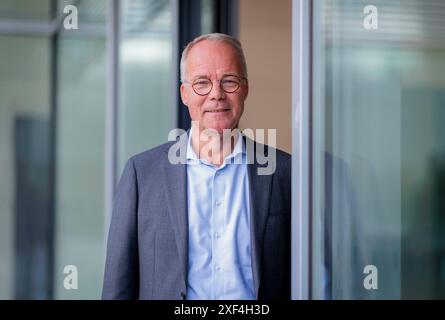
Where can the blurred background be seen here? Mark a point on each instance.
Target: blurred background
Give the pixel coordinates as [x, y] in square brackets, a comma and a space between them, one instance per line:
[76, 104]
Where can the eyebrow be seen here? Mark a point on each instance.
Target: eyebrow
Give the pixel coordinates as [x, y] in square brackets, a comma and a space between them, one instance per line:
[207, 77]
[199, 77]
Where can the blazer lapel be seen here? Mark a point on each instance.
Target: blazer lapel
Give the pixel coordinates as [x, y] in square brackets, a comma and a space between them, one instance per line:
[260, 189]
[175, 187]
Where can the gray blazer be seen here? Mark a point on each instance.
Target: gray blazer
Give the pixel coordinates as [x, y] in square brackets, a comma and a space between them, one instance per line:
[147, 254]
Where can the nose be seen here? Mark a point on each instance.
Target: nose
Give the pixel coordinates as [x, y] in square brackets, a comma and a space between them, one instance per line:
[217, 93]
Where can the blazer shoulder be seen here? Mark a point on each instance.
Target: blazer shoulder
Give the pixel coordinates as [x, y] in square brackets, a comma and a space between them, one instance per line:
[155, 154]
[283, 156]
[284, 164]
[283, 159]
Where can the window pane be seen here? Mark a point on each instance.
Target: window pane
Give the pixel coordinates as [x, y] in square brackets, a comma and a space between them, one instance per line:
[81, 98]
[146, 96]
[378, 150]
[24, 165]
[25, 9]
[207, 16]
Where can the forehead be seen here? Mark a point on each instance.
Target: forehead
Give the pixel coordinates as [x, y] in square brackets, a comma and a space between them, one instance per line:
[212, 58]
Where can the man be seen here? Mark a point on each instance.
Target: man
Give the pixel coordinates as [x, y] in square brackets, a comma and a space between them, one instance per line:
[210, 227]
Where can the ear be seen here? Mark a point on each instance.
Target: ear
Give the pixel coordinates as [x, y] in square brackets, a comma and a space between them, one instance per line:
[184, 94]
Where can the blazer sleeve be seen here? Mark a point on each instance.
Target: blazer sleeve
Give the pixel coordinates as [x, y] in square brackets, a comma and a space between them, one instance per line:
[121, 278]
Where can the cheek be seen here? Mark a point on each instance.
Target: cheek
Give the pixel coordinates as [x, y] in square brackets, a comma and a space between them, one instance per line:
[238, 104]
[195, 105]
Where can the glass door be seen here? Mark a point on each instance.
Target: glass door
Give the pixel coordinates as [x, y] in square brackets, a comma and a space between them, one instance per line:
[377, 150]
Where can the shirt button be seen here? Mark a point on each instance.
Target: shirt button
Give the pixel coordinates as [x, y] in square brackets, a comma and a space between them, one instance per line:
[217, 268]
[218, 203]
[217, 236]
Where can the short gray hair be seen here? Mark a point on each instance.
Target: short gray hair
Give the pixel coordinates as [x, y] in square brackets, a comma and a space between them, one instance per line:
[217, 37]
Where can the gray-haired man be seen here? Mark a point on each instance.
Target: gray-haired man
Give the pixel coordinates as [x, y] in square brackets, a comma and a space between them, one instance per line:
[210, 227]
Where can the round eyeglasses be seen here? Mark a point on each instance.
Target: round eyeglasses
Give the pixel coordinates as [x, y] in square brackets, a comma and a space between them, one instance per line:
[228, 83]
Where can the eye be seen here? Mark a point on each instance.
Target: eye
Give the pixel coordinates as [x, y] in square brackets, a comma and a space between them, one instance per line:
[201, 82]
[230, 84]
[230, 80]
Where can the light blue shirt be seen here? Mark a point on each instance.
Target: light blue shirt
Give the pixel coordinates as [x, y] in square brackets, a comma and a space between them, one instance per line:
[220, 264]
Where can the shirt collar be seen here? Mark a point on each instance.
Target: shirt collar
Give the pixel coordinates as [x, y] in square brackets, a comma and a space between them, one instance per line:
[238, 149]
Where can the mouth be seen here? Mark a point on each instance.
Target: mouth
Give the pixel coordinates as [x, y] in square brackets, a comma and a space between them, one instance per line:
[217, 111]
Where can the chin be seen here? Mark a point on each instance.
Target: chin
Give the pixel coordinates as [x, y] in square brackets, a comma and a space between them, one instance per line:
[219, 127]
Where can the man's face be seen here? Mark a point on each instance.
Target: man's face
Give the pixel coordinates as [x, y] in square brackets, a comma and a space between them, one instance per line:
[218, 110]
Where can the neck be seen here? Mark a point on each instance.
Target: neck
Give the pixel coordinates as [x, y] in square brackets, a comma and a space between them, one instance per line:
[213, 146]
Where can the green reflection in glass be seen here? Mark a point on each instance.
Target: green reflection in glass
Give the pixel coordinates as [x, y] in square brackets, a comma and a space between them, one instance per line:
[379, 150]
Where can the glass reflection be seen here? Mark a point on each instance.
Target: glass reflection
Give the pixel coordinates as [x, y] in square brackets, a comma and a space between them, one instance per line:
[378, 150]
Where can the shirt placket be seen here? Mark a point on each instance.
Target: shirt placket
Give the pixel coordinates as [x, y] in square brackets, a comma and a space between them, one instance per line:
[218, 222]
